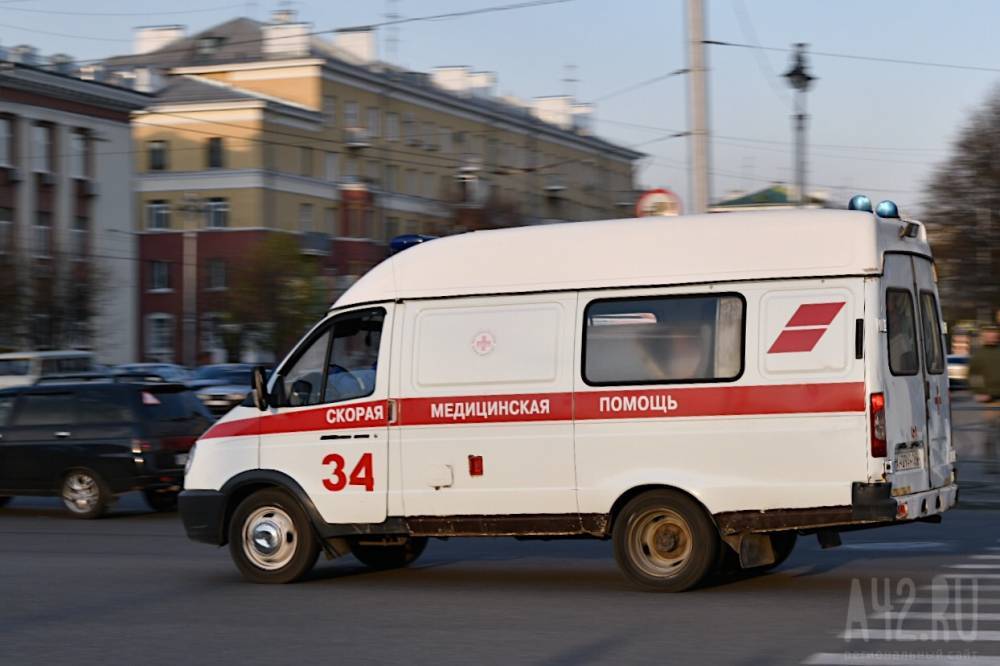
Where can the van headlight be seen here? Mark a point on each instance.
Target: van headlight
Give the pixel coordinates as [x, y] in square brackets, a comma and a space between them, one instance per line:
[190, 460]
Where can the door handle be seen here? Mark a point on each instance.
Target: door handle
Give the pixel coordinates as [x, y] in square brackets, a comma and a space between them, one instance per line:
[62, 434]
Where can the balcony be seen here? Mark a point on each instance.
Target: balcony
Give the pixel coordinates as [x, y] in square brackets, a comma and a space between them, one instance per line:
[357, 138]
[555, 184]
[314, 244]
[470, 165]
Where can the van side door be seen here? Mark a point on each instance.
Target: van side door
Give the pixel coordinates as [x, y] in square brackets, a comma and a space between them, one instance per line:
[330, 432]
[903, 381]
[486, 406]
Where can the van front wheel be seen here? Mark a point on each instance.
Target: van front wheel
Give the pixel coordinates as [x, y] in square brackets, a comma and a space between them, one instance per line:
[664, 541]
[389, 556]
[271, 539]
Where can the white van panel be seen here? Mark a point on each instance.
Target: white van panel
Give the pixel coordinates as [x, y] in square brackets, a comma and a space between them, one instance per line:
[220, 458]
[469, 367]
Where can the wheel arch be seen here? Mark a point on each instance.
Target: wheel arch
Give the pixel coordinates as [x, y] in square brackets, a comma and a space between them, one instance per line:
[635, 491]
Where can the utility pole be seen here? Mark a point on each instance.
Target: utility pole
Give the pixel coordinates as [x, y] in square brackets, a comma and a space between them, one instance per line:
[698, 108]
[800, 81]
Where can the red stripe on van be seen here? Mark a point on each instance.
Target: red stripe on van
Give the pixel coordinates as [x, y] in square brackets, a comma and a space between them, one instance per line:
[815, 314]
[540, 407]
[721, 401]
[796, 340]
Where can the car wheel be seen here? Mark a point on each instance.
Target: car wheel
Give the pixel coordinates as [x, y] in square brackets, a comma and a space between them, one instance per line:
[161, 500]
[664, 541]
[85, 494]
[271, 539]
[391, 556]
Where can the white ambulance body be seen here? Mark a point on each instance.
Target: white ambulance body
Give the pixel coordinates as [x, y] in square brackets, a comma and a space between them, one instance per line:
[700, 389]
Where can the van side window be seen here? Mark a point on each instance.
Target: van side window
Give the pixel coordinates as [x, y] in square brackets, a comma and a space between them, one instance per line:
[902, 332]
[339, 363]
[931, 325]
[667, 339]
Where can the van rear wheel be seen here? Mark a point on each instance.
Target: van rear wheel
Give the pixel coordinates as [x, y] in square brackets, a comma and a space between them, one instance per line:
[271, 539]
[664, 541]
[389, 556]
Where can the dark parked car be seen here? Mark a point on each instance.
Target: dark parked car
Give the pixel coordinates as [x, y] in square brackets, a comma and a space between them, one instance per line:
[88, 442]
[221, 387]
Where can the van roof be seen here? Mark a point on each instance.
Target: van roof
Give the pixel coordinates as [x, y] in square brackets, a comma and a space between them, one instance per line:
[719, 247]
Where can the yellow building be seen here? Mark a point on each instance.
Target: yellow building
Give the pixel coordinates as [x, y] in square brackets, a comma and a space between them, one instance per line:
[260, 128]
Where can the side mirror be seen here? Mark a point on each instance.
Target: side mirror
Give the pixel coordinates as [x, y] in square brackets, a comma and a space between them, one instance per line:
[259, 380]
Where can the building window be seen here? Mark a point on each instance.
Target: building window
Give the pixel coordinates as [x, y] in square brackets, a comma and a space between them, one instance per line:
[160, 337]
[159, 276]
[78, 157]
[330, 110]
[411, 182]
[217, 213]
[429, 137]
[217, 274]
[374, 126]
[391, 227]
[351, 119]
[78, 239]
[305, 218]
[429, 185]
[409, 128]
[157, 215]
[305, 160]
[157, 151]
[211, 331]
[392, 126]
[41, 139]
[391, 178]
[6, 230]
[214, 156]
[331, 221]
[330, 170]
[6, 142]
[351, 167]
[444, 137]
[43, 234]
[663, 340]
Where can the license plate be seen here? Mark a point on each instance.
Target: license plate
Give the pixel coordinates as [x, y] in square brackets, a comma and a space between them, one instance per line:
[180, 459]
[908, 460]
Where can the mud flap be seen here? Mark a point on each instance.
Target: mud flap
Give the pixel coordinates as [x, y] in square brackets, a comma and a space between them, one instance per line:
[755, 550]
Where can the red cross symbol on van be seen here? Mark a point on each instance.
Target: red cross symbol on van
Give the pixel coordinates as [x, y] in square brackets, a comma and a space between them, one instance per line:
[483, 343]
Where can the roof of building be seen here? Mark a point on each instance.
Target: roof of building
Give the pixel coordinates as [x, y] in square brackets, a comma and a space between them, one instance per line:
[239, 41]
[648, 251]
[69, 88]
[775, 195]
[185, 88]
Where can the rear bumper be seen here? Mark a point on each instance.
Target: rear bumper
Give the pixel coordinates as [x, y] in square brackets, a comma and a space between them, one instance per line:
[871, 505]
[203, 513]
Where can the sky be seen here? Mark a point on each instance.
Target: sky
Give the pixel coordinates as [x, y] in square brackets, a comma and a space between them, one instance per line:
[874, 127]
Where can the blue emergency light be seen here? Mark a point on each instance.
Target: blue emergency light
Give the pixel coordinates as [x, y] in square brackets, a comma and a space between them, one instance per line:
[887, 209]
[400, 243]
[860, 202]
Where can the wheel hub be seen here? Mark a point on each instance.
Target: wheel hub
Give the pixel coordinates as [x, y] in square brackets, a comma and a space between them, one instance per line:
[269, 538]
[266, 537]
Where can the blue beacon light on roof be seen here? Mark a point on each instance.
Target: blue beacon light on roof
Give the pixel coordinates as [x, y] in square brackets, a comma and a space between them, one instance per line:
[860, 202]
[887, 209]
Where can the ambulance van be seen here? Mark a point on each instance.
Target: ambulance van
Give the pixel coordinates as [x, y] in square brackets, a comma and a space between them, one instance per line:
[700, 390]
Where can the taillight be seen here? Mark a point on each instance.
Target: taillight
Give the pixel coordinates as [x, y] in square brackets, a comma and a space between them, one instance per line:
[141, 446]
[878, 425]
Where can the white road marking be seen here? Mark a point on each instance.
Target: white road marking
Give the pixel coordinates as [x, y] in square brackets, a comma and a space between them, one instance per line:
[948, 588]
[910, 615]
[985, 557]
[975, 566]
[911, 635]
[883, 658]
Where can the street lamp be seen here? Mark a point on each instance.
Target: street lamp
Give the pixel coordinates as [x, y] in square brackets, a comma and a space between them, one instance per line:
[800, 80]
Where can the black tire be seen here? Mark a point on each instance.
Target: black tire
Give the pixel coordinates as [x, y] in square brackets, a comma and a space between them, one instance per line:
[4, 500]
[395, 556]
[161, 500]
[85, 494]
[273, 515]
[665, 542]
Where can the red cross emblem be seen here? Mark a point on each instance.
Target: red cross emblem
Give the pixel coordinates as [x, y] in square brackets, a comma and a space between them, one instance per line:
[483, 343]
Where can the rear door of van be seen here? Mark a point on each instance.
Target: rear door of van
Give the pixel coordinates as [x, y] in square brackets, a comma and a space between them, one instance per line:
[903, 383]
[938, 408]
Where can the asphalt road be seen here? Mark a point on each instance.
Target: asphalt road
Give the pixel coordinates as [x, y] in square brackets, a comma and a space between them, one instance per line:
[131, 589]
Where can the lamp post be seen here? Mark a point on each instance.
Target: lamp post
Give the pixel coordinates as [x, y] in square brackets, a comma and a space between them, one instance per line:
[800, 80]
